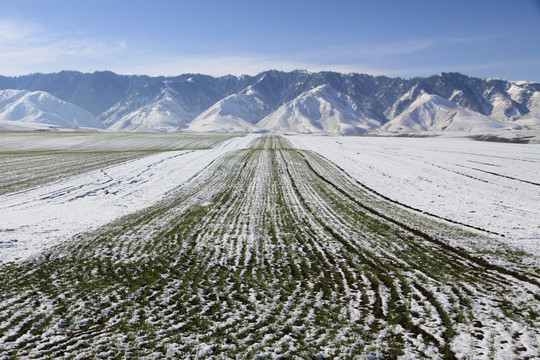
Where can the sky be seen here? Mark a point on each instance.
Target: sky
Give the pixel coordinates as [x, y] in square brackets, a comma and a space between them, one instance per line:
[405, 38]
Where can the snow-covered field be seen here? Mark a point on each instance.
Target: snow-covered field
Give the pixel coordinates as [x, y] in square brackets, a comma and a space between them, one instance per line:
[256, 248]
[487, 185]
[80, 141]
[36, 218]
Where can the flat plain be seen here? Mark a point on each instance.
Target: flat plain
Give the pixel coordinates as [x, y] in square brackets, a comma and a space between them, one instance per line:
[268, 247]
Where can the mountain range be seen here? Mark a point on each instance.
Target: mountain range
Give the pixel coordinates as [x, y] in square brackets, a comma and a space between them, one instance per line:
[272, 101]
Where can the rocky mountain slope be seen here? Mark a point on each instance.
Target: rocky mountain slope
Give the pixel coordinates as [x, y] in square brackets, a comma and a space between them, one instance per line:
[297, 101]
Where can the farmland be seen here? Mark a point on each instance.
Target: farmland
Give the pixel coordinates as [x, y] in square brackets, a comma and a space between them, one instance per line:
[262, 250]
[33, 158]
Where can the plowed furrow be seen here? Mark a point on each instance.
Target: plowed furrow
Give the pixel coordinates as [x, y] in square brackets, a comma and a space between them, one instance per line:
[268, 252]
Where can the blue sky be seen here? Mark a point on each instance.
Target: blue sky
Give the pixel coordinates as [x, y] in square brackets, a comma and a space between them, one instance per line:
[406, 38]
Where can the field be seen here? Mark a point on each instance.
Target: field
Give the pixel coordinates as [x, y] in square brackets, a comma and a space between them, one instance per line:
[486, 186]
[262, 247]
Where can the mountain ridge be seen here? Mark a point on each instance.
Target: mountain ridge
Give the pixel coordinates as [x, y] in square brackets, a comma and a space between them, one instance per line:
[278, 101]
[40, 107]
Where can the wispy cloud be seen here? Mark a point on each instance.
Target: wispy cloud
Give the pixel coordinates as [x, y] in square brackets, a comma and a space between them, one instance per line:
[389, 49]
[30, 47]
[12, 31]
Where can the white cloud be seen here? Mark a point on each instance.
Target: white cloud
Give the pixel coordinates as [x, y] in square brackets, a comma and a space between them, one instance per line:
[29, 47]
[13, 32]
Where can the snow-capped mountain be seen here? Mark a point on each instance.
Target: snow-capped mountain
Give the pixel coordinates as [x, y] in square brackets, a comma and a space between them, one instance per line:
[39, 107]
[322, 109]
[237, 112]
[432, 113]
[244, 110]
[297, 101]
[168, 103]
[147, 111]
